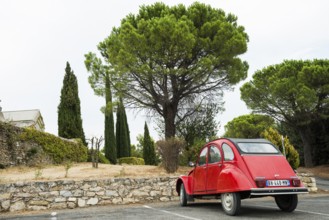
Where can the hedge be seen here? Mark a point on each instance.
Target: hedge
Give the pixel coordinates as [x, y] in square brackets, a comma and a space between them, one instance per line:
[131, 160]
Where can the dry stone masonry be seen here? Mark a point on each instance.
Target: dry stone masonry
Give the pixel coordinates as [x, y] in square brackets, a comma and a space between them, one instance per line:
[63, 194]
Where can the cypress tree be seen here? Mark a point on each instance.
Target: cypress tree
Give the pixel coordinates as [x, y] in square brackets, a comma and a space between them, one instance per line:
[122, 132]
[69, 113]
[127, 130]
[148, 148]
[110, 141]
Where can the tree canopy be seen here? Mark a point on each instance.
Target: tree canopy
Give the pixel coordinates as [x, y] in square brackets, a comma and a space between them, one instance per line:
[248, 126]
[173, 60]
[294, 92]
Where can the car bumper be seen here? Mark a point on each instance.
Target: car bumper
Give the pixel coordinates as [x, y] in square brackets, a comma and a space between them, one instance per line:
[277, 191]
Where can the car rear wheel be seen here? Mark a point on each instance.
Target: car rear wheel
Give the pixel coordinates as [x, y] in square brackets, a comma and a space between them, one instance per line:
[231, 203]
[287, 203]
[182, 195]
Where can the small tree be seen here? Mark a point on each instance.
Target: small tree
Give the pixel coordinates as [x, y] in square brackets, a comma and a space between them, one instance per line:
[95, 142]
[169, 151]
[69, 113]
[275, 137]
[148, 148]
[122, 132]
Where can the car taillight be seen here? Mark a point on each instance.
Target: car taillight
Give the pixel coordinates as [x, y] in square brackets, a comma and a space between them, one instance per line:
[260, 182]
[296, 182]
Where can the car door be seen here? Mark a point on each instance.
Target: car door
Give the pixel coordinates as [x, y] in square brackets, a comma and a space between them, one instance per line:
[214, 168]
[200, 172]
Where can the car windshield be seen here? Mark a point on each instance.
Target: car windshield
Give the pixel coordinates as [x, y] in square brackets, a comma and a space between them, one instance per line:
[258, 148]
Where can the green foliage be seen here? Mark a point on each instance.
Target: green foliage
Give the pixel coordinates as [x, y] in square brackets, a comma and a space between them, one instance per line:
[101, 158]
[148, 148]
[169, 150]
[248, 126]
[58, 149]
[69, 113]
[294, 92]
[110, 141]
[122, 132]
[192, 153]
[136, 150]
[291, 153]
[172, 60]
[200, 126]
[131, 160]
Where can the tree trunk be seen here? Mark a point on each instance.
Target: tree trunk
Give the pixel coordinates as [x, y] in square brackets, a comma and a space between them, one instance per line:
[169, 118]
[305, 135]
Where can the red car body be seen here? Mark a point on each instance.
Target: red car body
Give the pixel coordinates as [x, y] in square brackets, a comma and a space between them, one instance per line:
[235, 169]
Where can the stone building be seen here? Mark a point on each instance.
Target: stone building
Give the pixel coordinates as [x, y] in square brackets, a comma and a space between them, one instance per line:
[24, 118]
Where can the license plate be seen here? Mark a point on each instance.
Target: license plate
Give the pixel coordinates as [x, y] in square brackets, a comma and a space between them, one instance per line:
[277, 183]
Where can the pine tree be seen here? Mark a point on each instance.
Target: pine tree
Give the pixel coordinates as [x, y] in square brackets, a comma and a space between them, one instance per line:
[69, 113]
[110, 141]
[148, 148]
[122, 132]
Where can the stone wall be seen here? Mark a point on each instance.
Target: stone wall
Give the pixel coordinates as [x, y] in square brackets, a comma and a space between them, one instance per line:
[63, 194]
[71, 194]
[15, 152]
[308, 181]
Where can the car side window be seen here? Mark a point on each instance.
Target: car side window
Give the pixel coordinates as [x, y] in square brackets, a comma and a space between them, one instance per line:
[228, 152]
[214, 155]
[203, 157]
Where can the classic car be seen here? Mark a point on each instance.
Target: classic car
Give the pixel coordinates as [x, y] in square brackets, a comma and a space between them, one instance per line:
[234, 169]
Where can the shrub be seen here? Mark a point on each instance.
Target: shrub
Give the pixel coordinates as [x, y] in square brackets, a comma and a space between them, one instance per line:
[58, 149]
[131, 160]
[292, 154]
[169, 150]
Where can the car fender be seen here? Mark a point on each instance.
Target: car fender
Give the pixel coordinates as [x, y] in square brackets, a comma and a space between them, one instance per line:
[187, 181]
[232, 179]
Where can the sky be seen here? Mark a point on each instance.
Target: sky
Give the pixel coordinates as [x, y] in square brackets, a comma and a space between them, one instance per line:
[38, 37]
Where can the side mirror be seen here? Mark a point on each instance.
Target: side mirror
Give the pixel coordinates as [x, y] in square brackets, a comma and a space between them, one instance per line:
[191, 164]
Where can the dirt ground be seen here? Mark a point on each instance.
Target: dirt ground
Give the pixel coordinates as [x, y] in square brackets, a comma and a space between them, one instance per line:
[81, 171]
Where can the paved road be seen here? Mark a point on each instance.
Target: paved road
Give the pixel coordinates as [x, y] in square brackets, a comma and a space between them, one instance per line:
[312, 206]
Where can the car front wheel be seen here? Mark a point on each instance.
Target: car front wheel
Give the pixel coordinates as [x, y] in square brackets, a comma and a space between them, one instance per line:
[287, 203]
[182, 195]
[231, 203]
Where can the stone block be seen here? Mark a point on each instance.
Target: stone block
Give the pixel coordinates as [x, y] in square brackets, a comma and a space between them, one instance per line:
[17, 206]
[37, 208]
[92, 201]
[81, 202]
[60, 205]
[5, 196]
[5, 204]
[65, 193]
[71, 205]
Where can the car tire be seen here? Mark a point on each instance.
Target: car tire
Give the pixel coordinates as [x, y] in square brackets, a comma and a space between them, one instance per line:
[231, 203]
[287, 203]
[182, 195]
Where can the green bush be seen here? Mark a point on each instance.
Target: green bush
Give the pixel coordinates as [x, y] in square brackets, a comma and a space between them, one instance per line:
[292, 154]
[131, 160]
[58, 149]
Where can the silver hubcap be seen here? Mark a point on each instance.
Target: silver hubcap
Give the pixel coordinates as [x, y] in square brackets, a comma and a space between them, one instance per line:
[228, 201]
[181, 194]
